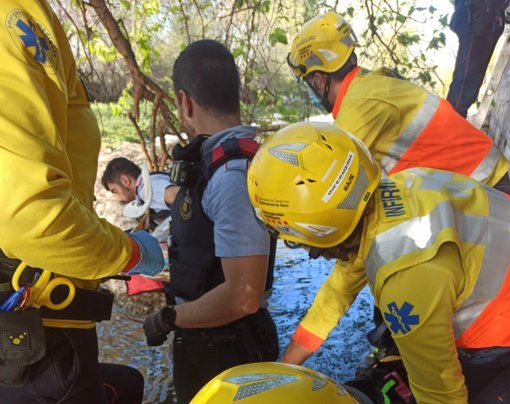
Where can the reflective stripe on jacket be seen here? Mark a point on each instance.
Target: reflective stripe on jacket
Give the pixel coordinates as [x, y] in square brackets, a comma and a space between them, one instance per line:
[405, 126]
[418, 210]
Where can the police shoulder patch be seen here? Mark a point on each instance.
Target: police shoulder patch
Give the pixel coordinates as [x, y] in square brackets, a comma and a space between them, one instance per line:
[33, 40]
[186, 206]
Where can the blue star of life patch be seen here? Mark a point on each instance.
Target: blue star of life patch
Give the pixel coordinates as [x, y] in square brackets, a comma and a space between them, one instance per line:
[31, 39]
[401, 320]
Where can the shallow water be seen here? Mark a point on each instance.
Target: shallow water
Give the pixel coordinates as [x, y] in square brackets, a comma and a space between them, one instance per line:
[297, 280]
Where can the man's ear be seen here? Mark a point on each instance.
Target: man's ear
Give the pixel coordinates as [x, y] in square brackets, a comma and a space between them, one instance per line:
[125, 180]
[186, 104]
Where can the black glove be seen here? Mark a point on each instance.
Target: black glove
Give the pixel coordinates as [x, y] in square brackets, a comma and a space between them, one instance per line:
[158, 325]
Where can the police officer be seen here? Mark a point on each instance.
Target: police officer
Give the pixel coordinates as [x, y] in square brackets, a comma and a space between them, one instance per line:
[49, 147]
[220, 274]
[431, 244]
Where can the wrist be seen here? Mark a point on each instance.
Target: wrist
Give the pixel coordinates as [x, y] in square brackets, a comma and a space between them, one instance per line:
[296, 354]
[135, 255]
[168, 316]
[306, 339]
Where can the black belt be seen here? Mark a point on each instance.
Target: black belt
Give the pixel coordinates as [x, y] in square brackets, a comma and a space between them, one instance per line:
[222, 333]
[88, 305]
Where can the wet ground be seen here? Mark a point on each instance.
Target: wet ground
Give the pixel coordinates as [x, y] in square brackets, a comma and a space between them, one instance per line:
[297, 280]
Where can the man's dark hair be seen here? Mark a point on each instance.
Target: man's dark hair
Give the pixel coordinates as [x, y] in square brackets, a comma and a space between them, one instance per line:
[116, 168]
[206, 70]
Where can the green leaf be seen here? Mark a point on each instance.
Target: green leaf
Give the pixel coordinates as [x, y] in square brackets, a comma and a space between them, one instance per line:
[265, 6]
[126, 4]
[437, 42]
[407, 39]
[425, 77]
[443, 20]
[278, 36]
[401, 18]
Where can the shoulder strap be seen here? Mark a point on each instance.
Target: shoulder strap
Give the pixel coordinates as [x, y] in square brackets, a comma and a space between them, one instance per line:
[230, 149]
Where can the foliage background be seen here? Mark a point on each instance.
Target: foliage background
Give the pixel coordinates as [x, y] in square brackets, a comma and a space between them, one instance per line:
[402, 34]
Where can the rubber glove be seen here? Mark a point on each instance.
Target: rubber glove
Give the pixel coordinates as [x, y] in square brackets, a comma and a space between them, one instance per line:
[151, 260]
[157, 326]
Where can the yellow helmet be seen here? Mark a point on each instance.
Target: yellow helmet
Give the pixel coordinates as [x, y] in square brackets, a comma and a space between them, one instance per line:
[269, 382]
[311, 182]
[324, 44]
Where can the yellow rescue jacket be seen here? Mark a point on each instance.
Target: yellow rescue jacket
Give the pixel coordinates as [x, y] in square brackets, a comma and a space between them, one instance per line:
[49, 147]
[405, 126]
[417, 213]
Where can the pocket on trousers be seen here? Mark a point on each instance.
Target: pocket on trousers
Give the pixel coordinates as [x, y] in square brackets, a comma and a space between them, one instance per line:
[65, 361]
[22, 344]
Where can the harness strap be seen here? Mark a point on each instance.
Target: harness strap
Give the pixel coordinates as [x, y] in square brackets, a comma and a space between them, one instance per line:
[230, 149]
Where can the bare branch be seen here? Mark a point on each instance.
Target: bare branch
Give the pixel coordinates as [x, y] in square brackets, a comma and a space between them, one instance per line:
[229, 25]
[185, 18]
[143, 87]
[133, 120]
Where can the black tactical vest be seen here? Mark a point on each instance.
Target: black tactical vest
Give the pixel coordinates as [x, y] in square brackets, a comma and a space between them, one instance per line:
[194, 267]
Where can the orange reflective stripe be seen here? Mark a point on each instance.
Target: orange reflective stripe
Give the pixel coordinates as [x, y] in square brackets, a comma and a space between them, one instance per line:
[342, 89]
[447, 142]
[492, 326]
[135, 255]
[307, 339]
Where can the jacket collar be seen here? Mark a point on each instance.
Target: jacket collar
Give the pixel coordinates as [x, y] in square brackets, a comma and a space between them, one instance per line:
[342, 89]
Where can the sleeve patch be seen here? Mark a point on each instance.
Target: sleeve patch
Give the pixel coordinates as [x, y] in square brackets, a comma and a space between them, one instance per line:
[33, 40]
[401, 319]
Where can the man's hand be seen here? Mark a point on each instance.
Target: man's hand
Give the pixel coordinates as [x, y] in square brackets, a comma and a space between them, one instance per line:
[296, 354]
[157, 326]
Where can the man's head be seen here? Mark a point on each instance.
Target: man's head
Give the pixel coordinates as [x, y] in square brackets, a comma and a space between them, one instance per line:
[322, 54]
[120, 178]
[206, 85]
[311, 183]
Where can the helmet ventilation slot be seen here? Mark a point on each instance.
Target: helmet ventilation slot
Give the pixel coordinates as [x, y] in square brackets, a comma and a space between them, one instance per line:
[325, 139]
